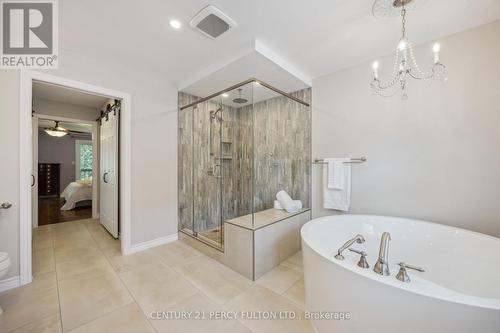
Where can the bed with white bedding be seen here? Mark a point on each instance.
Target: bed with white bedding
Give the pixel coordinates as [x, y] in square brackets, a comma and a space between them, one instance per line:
[80, 190]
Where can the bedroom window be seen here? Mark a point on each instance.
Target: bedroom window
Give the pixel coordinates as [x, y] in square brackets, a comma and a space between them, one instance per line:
[83, 159]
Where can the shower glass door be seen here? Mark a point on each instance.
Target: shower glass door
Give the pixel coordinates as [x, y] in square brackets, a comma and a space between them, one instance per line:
[215, 163]
[207, 171]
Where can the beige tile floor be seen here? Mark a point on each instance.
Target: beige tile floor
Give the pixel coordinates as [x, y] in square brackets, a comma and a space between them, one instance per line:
[83, 284]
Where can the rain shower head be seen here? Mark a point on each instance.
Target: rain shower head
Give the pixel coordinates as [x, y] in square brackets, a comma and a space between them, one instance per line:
[240, 100]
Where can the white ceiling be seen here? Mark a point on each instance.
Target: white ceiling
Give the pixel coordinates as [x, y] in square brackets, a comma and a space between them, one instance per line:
[250, 65]
[65, 95]
[316, 37]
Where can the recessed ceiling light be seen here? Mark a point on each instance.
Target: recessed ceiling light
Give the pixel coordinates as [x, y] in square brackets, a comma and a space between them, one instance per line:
[225, 95]
[175, 24]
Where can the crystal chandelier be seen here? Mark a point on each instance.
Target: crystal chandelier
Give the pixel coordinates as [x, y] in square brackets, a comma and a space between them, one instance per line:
[405, 65]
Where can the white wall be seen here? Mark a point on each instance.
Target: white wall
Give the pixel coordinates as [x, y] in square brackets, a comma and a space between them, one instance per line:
[154, 139]
[154, 145]
[9, 166]
[59, 109]
[435, 156]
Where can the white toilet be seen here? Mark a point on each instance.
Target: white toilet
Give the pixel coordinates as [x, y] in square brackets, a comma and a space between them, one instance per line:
[4, 267]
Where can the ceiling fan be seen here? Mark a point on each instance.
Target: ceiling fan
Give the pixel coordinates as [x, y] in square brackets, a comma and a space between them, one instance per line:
[59, 131]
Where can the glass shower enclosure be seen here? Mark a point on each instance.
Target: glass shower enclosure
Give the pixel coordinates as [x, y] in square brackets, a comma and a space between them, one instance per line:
[237, 148]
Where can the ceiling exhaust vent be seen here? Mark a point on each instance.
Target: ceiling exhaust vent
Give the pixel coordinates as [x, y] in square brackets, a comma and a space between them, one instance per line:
[212, 22]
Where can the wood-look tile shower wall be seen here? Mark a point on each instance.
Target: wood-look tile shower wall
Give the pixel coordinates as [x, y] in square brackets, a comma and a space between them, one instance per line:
[278, 129]
[282, 141]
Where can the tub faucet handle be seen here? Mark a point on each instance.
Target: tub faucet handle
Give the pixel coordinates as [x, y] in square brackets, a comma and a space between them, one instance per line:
[357, 239]
[403, 274]
[363, 263]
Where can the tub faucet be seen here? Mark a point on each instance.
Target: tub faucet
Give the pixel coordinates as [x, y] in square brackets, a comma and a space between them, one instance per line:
[382, 265]
[357, 239]
[403, 274]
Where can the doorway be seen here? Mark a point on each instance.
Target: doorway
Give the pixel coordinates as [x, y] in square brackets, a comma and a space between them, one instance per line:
[64, 168]
[121, 119]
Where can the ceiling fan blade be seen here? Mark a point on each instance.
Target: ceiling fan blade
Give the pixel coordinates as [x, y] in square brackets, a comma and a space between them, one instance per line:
[78, 132]
[69, 131]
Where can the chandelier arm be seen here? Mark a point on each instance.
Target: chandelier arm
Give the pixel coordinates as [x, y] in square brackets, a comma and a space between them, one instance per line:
[414, 76]
[395, 75]
[386, 93]
[386, 85]
[389, 84]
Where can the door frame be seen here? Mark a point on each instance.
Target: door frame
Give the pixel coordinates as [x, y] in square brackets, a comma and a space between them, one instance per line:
[26, 155]
[95, 164]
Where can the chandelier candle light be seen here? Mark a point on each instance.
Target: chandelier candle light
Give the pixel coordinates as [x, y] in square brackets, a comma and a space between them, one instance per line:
[405, 65]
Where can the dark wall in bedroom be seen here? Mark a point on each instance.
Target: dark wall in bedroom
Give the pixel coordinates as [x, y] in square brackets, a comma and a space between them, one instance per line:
[59, 150]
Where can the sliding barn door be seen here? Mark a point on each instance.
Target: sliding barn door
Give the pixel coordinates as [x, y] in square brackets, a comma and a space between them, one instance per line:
[109, 174]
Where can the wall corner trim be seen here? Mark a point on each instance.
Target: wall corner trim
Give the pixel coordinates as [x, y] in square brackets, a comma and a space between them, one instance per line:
[134, 248]
[10, 283]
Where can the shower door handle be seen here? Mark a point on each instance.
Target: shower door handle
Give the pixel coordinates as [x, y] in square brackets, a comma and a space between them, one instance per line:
[217, 174]
[212, 171]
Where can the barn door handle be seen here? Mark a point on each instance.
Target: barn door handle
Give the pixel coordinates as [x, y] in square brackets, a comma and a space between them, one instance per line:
[5, 205]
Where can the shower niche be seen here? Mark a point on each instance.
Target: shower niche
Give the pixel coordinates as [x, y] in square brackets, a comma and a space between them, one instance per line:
[237, 149]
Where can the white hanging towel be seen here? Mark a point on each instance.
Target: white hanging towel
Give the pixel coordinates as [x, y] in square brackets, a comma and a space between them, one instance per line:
[337, 198]
[335, 173]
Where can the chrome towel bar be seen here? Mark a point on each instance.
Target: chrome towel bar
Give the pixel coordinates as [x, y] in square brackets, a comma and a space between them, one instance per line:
[353, 160]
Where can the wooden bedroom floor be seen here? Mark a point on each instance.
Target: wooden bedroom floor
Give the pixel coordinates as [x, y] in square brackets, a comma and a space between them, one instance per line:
[49, 212]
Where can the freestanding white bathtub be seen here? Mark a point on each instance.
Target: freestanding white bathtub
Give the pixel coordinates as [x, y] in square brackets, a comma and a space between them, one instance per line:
[458, 293]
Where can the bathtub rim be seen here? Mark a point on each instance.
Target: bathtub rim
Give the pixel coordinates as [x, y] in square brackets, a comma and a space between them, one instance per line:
[445, 294]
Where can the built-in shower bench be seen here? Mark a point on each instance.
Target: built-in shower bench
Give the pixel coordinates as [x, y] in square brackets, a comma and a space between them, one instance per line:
[263, 218]
[253, 249]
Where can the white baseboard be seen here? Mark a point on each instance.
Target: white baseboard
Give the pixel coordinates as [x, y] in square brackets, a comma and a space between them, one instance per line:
[10, 283]
[134, 248]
